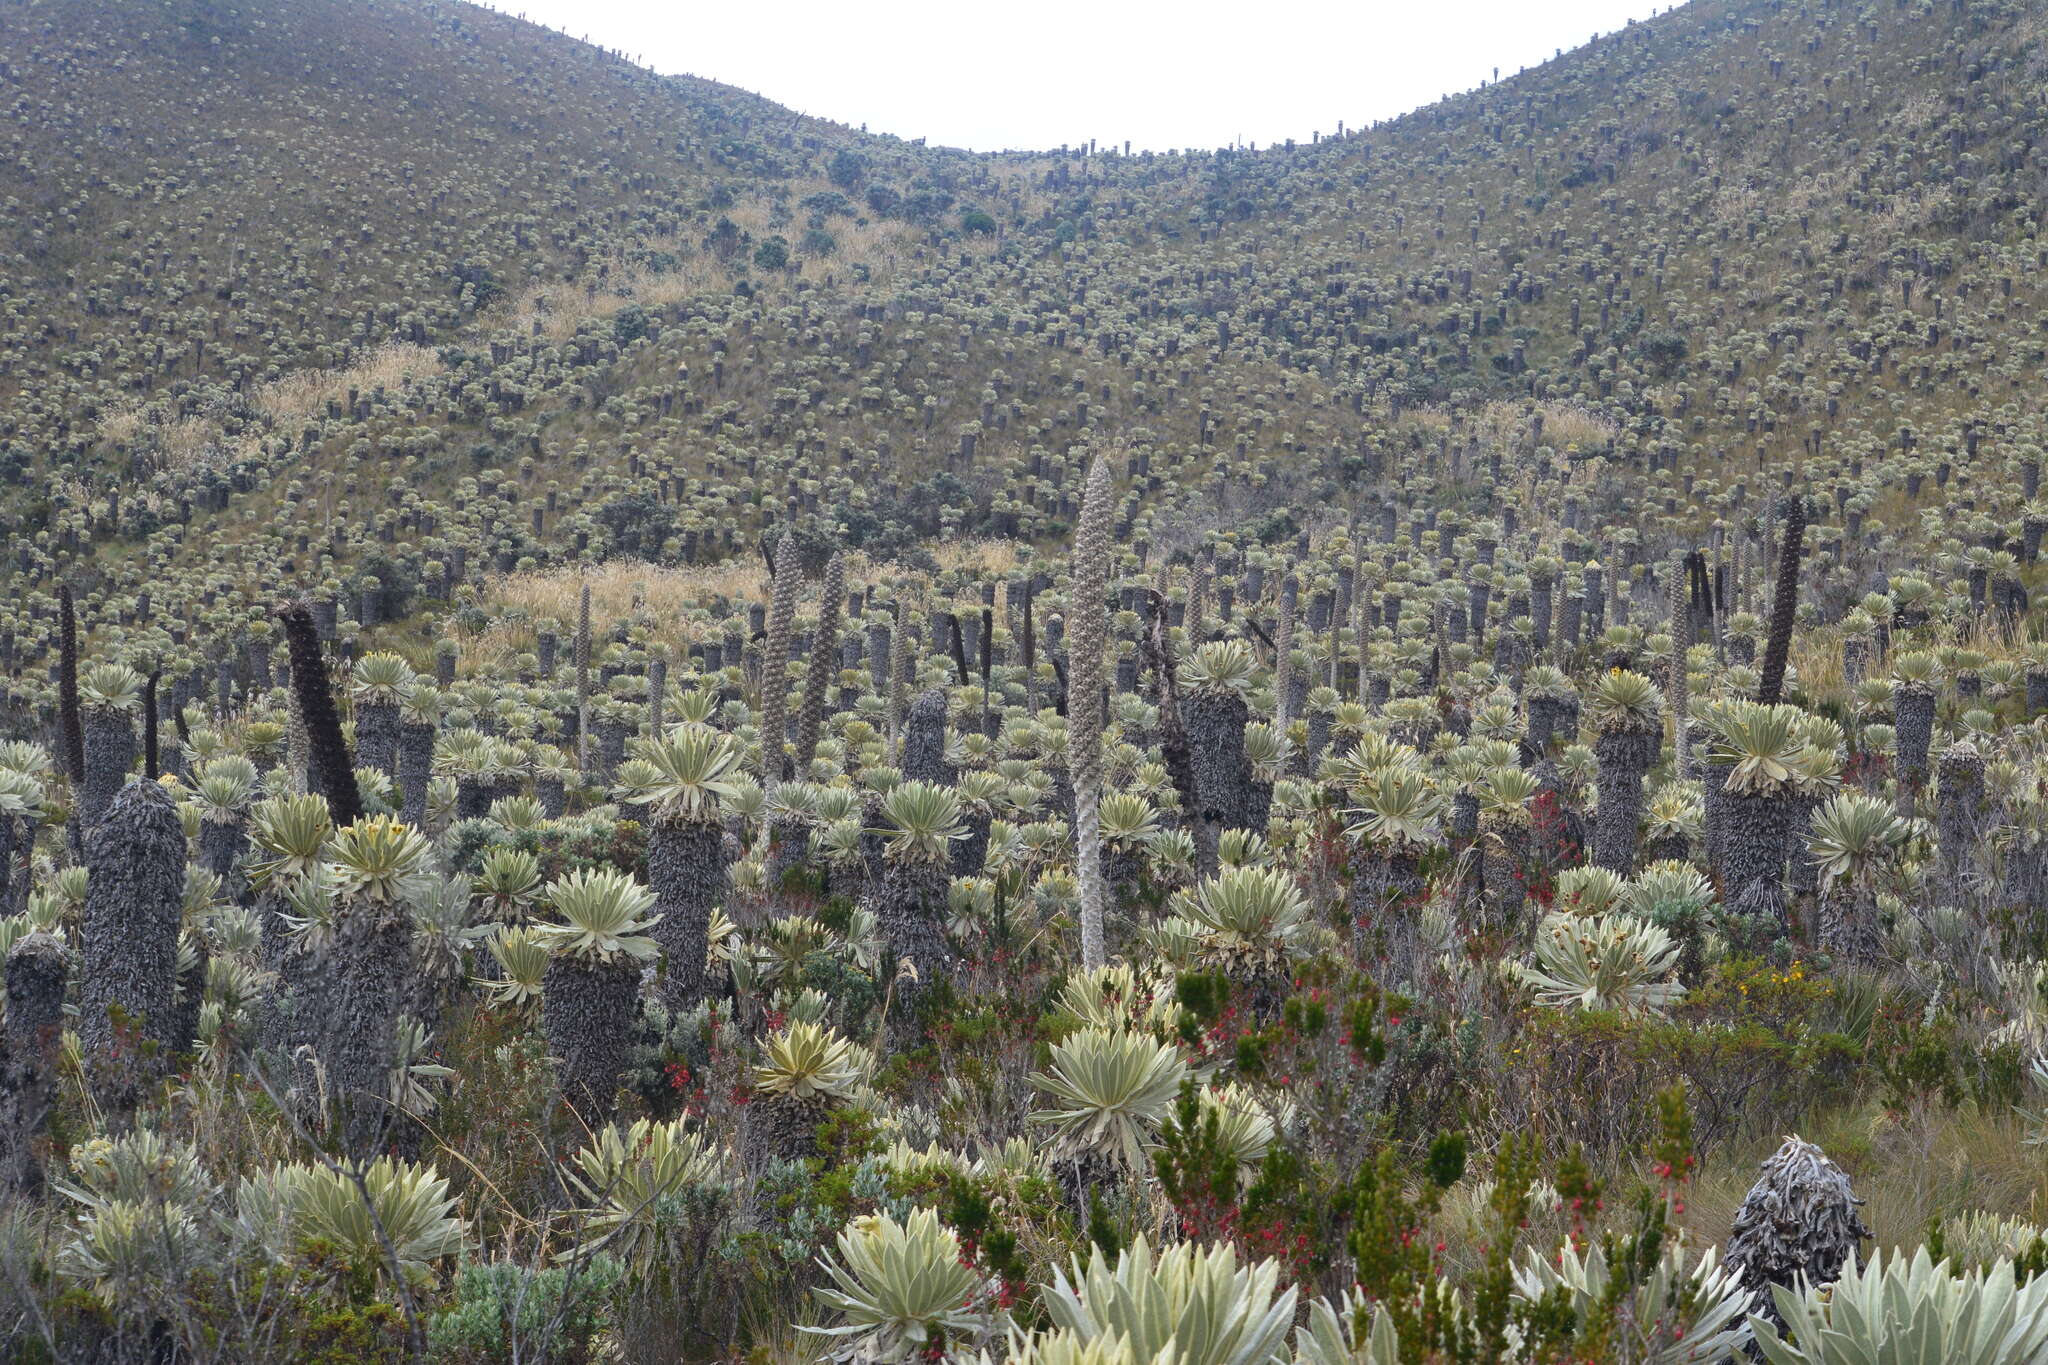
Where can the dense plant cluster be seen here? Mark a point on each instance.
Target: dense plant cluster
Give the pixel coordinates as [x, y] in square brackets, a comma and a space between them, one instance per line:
[658, 730]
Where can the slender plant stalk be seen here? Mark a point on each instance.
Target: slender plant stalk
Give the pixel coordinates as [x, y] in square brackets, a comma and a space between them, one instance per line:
[150, 769]
[775, 662]
[1088, 631]
[824, 662]
[1784, 607]
[67, 687]
[583, 678]
[1675, 679]
[323, 722]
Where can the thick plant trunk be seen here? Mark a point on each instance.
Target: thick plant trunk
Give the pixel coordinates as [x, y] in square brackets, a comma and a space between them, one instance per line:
[1383, 882]
[587, 1011]
[377, 737]
[1215, 728]
[37, 966]
[351, 1020]
[971, 852]
[910, 906]
[1849, 927]
[1914, 712]
[1962, 795]
[686, 871]
[1625, 756]
[1759, 836]
[924, 740]
[415, 771]
[1504, 850]
[128, 974]
[221, 846]
[109, 755]
[781, 1128]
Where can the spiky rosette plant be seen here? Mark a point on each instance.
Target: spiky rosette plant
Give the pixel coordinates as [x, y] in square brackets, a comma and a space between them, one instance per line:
[919, 824]
[631, 1182]
[1673, 821]
[1190, 1302]
[1255, 926]
[360, 977]
[1756, 759]
[109, 696]
[1916, 678]
[1898, 1307]
[1109, 1091]
[1129, 822]
[22, 798]
[507, 884]
[596, 944]
[1604, 962]
[691, 770]
[806, 1072]
[902, 1290]
[522, 958]
[1677, 898]
[223, 789]
[1628, 710]
[401, 1217]
[1504, 841]
[1214, 681]
[1852, 841]
[378, 684]
[1681, 1310]
[134, 909]
[1397, 819]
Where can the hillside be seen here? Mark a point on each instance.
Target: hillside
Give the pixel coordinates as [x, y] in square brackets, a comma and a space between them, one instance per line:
[773, 743]
[1715, 234]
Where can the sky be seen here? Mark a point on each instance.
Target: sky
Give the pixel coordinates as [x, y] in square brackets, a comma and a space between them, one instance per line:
[1038, 75]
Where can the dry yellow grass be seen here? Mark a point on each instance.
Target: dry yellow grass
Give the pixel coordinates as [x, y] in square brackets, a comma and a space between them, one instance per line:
[201, 439]
[678, 600]
[306, 393]
[980, 556]
[559, 309]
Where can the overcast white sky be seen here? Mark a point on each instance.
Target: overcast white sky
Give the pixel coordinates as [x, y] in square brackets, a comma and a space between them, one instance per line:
[1037, 75]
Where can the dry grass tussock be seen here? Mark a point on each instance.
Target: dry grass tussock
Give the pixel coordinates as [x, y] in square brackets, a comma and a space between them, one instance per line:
[305, 394]
[558, 309]
[297, 397]
[678, 601]
[1507, 424]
